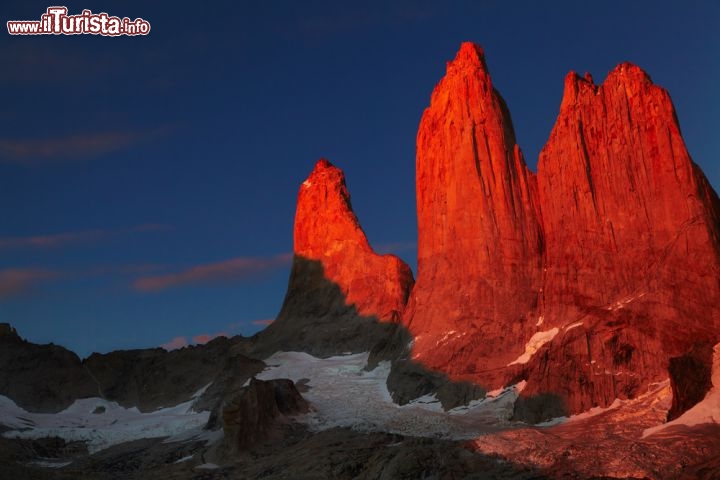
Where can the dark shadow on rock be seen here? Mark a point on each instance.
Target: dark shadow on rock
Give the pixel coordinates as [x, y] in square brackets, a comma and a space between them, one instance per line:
[41, 378]
[690, 378]
[345, 454]
[49, 378]
[539, 408]
[409, 379]
[315, 319]
[153, 378]
[250, 415]
[233, 374]
[296, 453]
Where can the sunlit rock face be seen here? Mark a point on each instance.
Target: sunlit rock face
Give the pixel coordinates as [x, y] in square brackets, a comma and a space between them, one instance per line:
[327, 230]
[479, 237]
[342, 296]
[584, 280]
[631, 242]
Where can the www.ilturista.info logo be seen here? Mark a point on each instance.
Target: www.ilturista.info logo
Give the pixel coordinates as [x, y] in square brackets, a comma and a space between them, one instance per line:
[56, 21]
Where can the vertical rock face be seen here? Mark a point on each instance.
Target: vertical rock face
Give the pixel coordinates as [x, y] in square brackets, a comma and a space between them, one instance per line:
[249, 416]
[627, 215]
[341, 294]
[632, 262]
[585, 280]
[479, 244]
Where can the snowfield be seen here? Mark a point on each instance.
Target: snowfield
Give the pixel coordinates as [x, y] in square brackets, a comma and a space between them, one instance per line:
[343, 394]
[114, 425]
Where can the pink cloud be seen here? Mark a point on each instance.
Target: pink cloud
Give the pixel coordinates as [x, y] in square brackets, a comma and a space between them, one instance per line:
[182, 342]
[31, 151]
[263, 322]
[205, 337]
[52, 240]
[18, 281]
[62, 239]
[175, 344]
[225, 271]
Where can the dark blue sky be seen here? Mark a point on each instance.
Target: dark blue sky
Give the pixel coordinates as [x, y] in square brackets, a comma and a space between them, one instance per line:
[148, 184]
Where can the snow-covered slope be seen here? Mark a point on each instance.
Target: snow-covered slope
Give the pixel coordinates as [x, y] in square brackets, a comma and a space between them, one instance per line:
[112, 424]
[343, 394]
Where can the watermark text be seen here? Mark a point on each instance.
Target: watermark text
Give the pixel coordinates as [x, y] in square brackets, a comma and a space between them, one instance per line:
[56, 21]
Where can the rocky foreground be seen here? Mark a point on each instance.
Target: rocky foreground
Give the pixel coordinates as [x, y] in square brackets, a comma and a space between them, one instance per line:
[304, 417]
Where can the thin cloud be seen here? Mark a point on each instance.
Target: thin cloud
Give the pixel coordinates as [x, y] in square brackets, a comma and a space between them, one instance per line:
[17, 282]
[182, 342]
[52, 240]
[263, 322]
[20, 281]
[204, 338]
[136, 269]
[33, 151]
[221, 272]
[175, 344]
[63, 239]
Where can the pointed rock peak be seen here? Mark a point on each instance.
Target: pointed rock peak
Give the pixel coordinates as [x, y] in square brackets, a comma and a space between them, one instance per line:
[324, 207]
[324, 170]
[336, 275]
[627, 72]
[575, 85]
[630, 76]
[470, 55]
[323, 164]
[330, 177]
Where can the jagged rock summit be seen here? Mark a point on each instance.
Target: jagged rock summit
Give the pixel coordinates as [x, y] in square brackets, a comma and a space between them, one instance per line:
[342, 296]
[632, 253]
[585, 280]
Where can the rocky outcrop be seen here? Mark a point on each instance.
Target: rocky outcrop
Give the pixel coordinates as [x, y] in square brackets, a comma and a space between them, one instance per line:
[41, 378]
[49, 378]
[153, 378]
[479, 238]
[250, 415]
[584, 280]
[690, 378]
[341, 294]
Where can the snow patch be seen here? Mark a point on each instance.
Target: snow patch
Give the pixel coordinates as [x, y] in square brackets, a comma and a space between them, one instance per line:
[448, 335]
[534, 344]
[573, 325]
[623, 302]
[116, 425]
[49, 463]
[344, 394]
